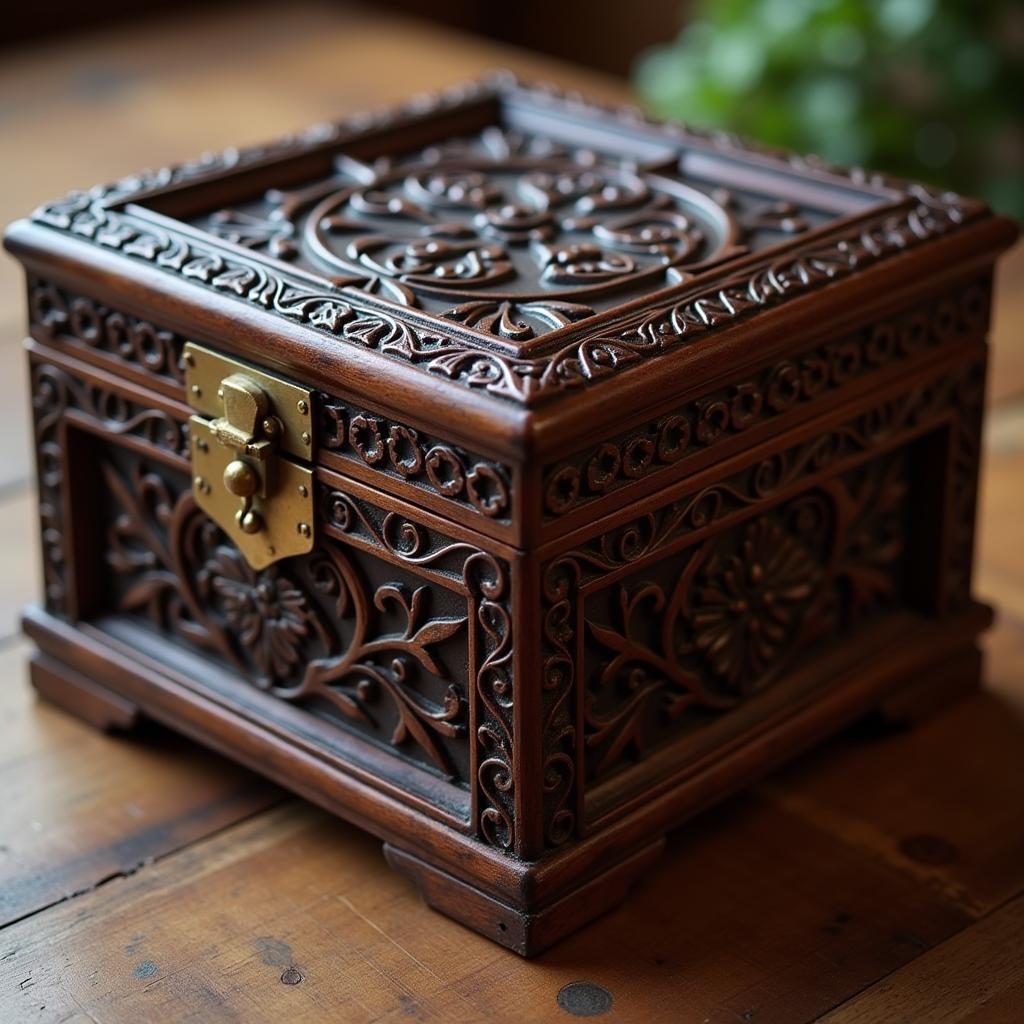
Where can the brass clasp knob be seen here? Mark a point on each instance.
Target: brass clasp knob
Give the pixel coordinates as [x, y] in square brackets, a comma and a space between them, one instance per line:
[264, 498]
[241, 480]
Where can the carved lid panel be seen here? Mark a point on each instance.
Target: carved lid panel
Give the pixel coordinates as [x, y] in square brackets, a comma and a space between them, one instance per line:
[511, 233]
[492, 247]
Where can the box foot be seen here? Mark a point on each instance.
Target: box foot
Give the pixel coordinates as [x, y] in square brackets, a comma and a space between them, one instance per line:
[69, 690]
[525, 929]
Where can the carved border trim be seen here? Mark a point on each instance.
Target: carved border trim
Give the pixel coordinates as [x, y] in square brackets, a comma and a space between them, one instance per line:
[383, 446]
[402, 453]
[54, 312]
[660, 444]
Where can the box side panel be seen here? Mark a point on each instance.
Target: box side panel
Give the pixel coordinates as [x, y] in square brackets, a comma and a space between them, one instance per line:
[678, 627]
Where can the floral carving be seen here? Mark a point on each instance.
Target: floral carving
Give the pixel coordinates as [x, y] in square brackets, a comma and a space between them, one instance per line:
[268, 613]
[748, 603]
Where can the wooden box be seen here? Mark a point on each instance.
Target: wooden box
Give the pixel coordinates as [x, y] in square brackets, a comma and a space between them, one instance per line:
[511, 476]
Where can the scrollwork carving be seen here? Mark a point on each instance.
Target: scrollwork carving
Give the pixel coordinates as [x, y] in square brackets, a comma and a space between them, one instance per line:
[386, 659]
[400, 451]
[730, 411]
[309, 630]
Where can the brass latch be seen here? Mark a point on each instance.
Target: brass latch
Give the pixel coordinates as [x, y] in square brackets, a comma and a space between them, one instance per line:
[242, 475]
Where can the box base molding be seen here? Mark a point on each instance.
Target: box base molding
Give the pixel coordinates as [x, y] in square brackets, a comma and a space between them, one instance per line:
[527, 932]
[62, 686]
[526, 906]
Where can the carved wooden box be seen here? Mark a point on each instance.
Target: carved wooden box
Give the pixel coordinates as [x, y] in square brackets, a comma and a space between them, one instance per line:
[511, 476]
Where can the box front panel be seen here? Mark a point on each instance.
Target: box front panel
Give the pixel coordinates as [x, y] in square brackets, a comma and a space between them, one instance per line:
[386, 650]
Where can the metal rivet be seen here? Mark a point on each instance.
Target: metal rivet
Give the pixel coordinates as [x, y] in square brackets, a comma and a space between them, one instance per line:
[271, 550]
[302, 406]
[303, 490]
[201, 444]
[304, 529]
[190, 360]
[196, 390]
[250, 522]
[305, 437]
[220, 392]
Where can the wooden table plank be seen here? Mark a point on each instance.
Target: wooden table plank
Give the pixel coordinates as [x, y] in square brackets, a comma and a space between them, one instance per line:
[750, 913]
[975, 978]
[1000, 568]
[943, 803]
[80, 807]
[1006, 373]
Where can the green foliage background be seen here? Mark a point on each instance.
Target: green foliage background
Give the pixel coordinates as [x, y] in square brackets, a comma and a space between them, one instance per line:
[925, 89]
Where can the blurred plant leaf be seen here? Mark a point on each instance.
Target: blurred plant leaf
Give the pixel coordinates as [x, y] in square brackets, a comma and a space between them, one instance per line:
[927, 89]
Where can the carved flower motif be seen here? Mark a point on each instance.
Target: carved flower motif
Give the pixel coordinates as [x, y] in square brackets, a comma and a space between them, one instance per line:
[266, 611]
[750, 603]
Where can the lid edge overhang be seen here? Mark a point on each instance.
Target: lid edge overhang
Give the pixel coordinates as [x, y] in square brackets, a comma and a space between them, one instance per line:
[516, 431]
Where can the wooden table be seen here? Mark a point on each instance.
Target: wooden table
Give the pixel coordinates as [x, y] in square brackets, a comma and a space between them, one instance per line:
[142, 879]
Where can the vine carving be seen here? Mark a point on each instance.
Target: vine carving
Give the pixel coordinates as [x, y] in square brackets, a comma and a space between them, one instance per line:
[724, 621]
[309, 630]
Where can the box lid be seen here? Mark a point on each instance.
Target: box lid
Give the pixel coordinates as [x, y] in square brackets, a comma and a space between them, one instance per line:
[513, 266]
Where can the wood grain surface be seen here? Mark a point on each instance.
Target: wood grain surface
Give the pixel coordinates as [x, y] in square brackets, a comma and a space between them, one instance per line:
[880, 878]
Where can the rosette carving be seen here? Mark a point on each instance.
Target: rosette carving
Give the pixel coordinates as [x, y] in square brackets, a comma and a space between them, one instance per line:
[703, 631]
